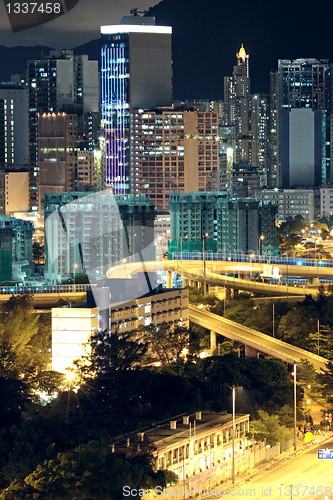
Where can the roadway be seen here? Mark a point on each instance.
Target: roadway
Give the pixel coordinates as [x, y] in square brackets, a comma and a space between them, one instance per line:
[215, 275]
[310, 478]
[252, 338]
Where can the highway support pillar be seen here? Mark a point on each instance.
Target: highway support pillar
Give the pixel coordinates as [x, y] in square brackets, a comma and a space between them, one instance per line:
[169, 279]
[212, 340]
[185, 282]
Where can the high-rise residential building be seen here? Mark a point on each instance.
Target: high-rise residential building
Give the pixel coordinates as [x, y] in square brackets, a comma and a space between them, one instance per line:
[57, 155]
[260, 131]
[244, 125]
[236, 104]
[14, 137]
[292, 202]
[273, 161]
[60, 82]
[228, 226]
[136, 73]
[162, 232]
[302, 147]
[95, 232]
[174, 151]
[15, 248]
[304, 138]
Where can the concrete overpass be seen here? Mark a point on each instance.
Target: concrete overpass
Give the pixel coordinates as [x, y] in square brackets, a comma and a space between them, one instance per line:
[253, 339]
[192, 272]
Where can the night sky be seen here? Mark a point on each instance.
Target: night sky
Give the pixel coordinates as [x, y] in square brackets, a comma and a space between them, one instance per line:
[206, 36]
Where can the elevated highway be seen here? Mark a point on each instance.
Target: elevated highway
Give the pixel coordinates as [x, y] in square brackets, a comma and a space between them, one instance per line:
[257, 340]
[192, 272]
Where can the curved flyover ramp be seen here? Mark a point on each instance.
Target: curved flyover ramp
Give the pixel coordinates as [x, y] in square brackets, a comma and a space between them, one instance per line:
[263, 343]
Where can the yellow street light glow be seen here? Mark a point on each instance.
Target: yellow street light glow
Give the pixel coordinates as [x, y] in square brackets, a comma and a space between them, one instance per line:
[70, 376]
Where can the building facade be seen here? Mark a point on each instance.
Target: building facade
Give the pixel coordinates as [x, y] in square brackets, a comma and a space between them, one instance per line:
[174, 151]
[72, 328]
[292, 202]
[162, 232]
[326, 201]
[197, 448]
[226, 225]
[15, 249]
[14, 130]
[169, 306]
[304, 83]
[97, 231]
[57, 151]
[136, 73]
[60, 82]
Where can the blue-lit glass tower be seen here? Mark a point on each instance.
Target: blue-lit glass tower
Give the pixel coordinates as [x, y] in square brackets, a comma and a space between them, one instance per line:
[136, 73]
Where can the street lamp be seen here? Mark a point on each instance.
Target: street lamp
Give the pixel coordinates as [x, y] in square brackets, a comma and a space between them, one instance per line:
[75, 266]
[234, 387]
[233, 433]
[251, 260]
[261, 238]
[294, 373]
[318, 333]
[204, 237]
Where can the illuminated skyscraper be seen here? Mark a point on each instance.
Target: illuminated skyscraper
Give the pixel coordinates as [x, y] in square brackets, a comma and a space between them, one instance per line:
[136, 73]
[304, 134]
[236, 104]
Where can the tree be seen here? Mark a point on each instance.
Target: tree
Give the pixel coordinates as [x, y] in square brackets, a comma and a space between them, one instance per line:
[169, 345]
[89, 472]
[268, 427]
[325, 379]
[19, 341]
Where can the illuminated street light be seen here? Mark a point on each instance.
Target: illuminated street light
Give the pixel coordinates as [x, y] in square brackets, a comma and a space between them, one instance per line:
[294, 373]
[261, 238]
[204, 237]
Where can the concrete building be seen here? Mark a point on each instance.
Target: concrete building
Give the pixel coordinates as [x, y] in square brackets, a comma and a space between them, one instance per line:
[304, 138]
[244, 125]
[94, 232]
[229, 226]
[71, 332]
[60, 82]
[326, 201]
[174, 151]
[162, 232]
[197, 448]
[291, 202]
[302, 147]
[15, 249]
[245, 180]
[237, 109]
[169, 306]
[57, 162]
[273, 157]
[16, 192]
[84, 168]
[14, 128]
[136, 73]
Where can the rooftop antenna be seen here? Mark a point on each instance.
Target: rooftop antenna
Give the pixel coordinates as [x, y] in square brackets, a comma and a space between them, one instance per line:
[135, 12]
